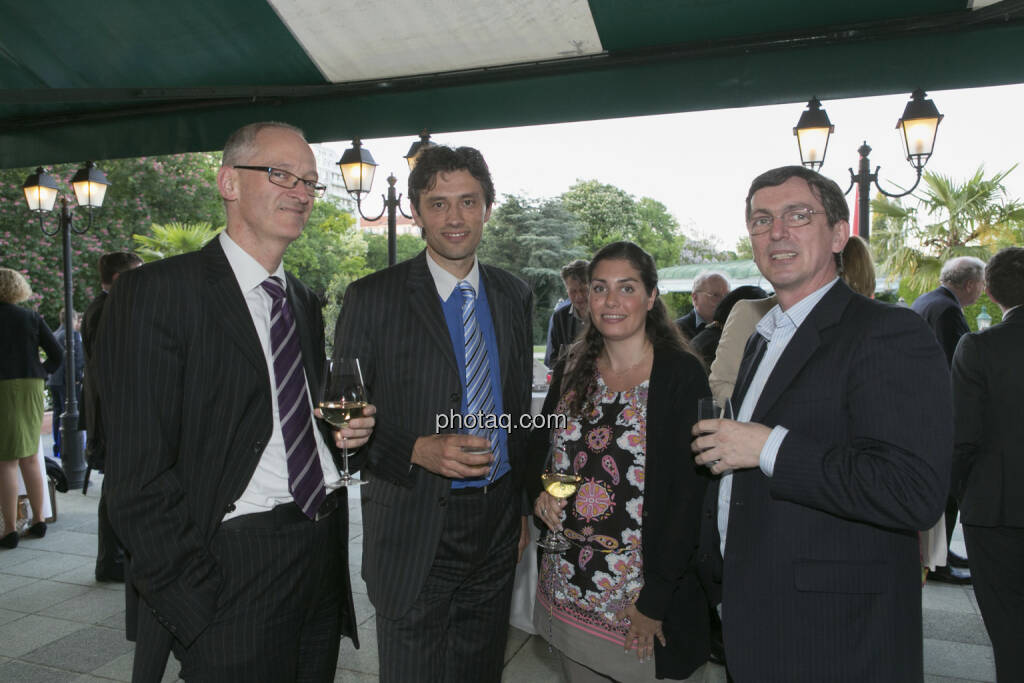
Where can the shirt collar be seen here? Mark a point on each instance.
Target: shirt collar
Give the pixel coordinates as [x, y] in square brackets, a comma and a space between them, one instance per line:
[247, 270]
[777, 318]
[445, 282]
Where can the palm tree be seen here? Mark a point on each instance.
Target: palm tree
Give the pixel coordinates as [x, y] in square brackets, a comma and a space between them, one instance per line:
[974, 218]
[174, 238]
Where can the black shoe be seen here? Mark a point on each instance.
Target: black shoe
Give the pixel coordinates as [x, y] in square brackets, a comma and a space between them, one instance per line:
[958, 561]
[10, 540]
[113, 574]
[960, 577]
[38, 529]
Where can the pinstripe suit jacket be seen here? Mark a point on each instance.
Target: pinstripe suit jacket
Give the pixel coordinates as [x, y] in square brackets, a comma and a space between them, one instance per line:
[187, 410]
[821, 570]
[393, 322]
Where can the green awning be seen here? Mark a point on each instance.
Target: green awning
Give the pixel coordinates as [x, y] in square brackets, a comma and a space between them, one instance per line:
[133, 77]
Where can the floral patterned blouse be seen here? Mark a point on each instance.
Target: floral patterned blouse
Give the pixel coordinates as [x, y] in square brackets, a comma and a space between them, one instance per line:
[602, 572]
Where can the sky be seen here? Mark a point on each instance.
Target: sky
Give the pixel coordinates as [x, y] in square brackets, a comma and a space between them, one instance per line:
[700, 164]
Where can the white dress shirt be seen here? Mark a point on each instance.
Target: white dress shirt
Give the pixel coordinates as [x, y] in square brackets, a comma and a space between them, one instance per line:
[269, 484]
[777, 327]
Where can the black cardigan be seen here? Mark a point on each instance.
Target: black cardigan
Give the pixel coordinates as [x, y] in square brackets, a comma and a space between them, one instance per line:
[673, 494]
[22, 333]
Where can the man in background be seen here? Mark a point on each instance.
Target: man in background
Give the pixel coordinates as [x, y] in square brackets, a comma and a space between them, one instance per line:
[988, 461]
[708, 289]
[55, 382]
[109, 552]
[960, 284]
[569, 316]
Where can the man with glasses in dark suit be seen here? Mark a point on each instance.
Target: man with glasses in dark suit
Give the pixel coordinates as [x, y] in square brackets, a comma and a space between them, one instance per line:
[442, 337]
[221, 485]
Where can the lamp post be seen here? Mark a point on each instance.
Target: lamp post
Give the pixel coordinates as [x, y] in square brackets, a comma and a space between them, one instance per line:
[90, 184]
[357, 170]
[918, 127]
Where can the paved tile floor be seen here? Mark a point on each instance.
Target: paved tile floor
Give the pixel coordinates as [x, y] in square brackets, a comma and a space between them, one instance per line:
[57, 624]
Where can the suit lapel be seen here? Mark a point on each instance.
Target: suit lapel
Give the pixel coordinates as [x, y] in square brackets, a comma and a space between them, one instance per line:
[752, 355]
[802, 346]
[501, 312]
[229, 307]
[426, 305]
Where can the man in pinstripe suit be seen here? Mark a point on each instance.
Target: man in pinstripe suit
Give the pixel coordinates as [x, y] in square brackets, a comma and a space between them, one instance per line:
[841, 451]
[225, 495]
[440, 541]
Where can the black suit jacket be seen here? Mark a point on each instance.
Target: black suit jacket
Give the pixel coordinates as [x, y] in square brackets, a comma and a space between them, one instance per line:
[674, 490]
[688, 324]
[188, 411]
[22, 333]
[988, 454]
[822, 577]
[942, 311]
[393, 322]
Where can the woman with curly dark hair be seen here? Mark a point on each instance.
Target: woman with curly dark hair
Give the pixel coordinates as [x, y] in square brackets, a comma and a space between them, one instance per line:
[627, 588]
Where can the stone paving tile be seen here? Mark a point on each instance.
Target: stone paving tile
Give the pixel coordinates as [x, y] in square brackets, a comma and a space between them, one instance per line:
[516, 639]
[83, 651]
[115, 620]
[364, 660]
[10, 582]
[68, 542]
[24, 672]
[346, 676]
[960, 660]
[533, 663]
[33, 631]
[10, 558]
[954, 626]
[928, 678]
[39, 595]
[91, 607]
[85, 575]
[974, 601]
[48, 565]
[364, 610]
[7, 615]
[941, 596]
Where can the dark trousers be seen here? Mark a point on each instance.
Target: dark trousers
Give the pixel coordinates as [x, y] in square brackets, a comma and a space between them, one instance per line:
[280, 609]
[109, 552]
[457, 627]
[997, 555]
[58, 396]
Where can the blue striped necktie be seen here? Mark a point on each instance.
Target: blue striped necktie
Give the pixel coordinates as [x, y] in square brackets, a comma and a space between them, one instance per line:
[479, 398]
[305, 476]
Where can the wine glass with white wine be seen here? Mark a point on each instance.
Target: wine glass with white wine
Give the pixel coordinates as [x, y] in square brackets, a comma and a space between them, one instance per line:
[560, 482]
[343, 397]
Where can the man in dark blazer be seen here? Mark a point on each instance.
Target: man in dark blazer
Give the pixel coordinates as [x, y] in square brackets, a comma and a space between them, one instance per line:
[839, 454]
[960, 285]
[988, 461]
[224, 494]
[109, 552]
[569, 317]
[708, 289]
[442, 511]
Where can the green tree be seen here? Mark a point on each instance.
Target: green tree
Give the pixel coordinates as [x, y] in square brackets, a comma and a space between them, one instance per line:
[142, 191]
[972, 218]
[659, 233]
[605, 213]
[330, 253]
[172, 239]
[406, 246]
[532, 239]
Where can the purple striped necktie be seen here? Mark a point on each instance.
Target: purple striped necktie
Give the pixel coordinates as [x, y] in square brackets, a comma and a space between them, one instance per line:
[305, 476]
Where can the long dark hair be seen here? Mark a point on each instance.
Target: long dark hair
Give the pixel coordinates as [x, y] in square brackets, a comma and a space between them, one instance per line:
[580, 376]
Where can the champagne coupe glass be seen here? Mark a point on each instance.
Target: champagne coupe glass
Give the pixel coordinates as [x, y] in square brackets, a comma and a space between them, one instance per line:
[560, 482]
[343, 397]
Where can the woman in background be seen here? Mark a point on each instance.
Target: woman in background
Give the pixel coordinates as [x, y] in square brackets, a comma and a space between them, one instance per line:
[627, 589]
[22, 334]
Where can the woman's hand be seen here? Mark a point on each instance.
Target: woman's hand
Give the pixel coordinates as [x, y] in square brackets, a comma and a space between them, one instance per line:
[548, 509]
[642, 631]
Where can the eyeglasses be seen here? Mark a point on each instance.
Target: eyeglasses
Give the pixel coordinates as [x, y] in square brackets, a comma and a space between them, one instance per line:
[710, 295]
[794, 218]
[287, 179]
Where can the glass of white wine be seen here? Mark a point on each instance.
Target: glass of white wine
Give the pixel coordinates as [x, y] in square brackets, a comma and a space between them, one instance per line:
[560, 482]
[342, 397]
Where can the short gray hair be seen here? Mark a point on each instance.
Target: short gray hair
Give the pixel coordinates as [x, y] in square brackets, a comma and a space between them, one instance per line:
[242, 143]
[962, 270]
[701, 279]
